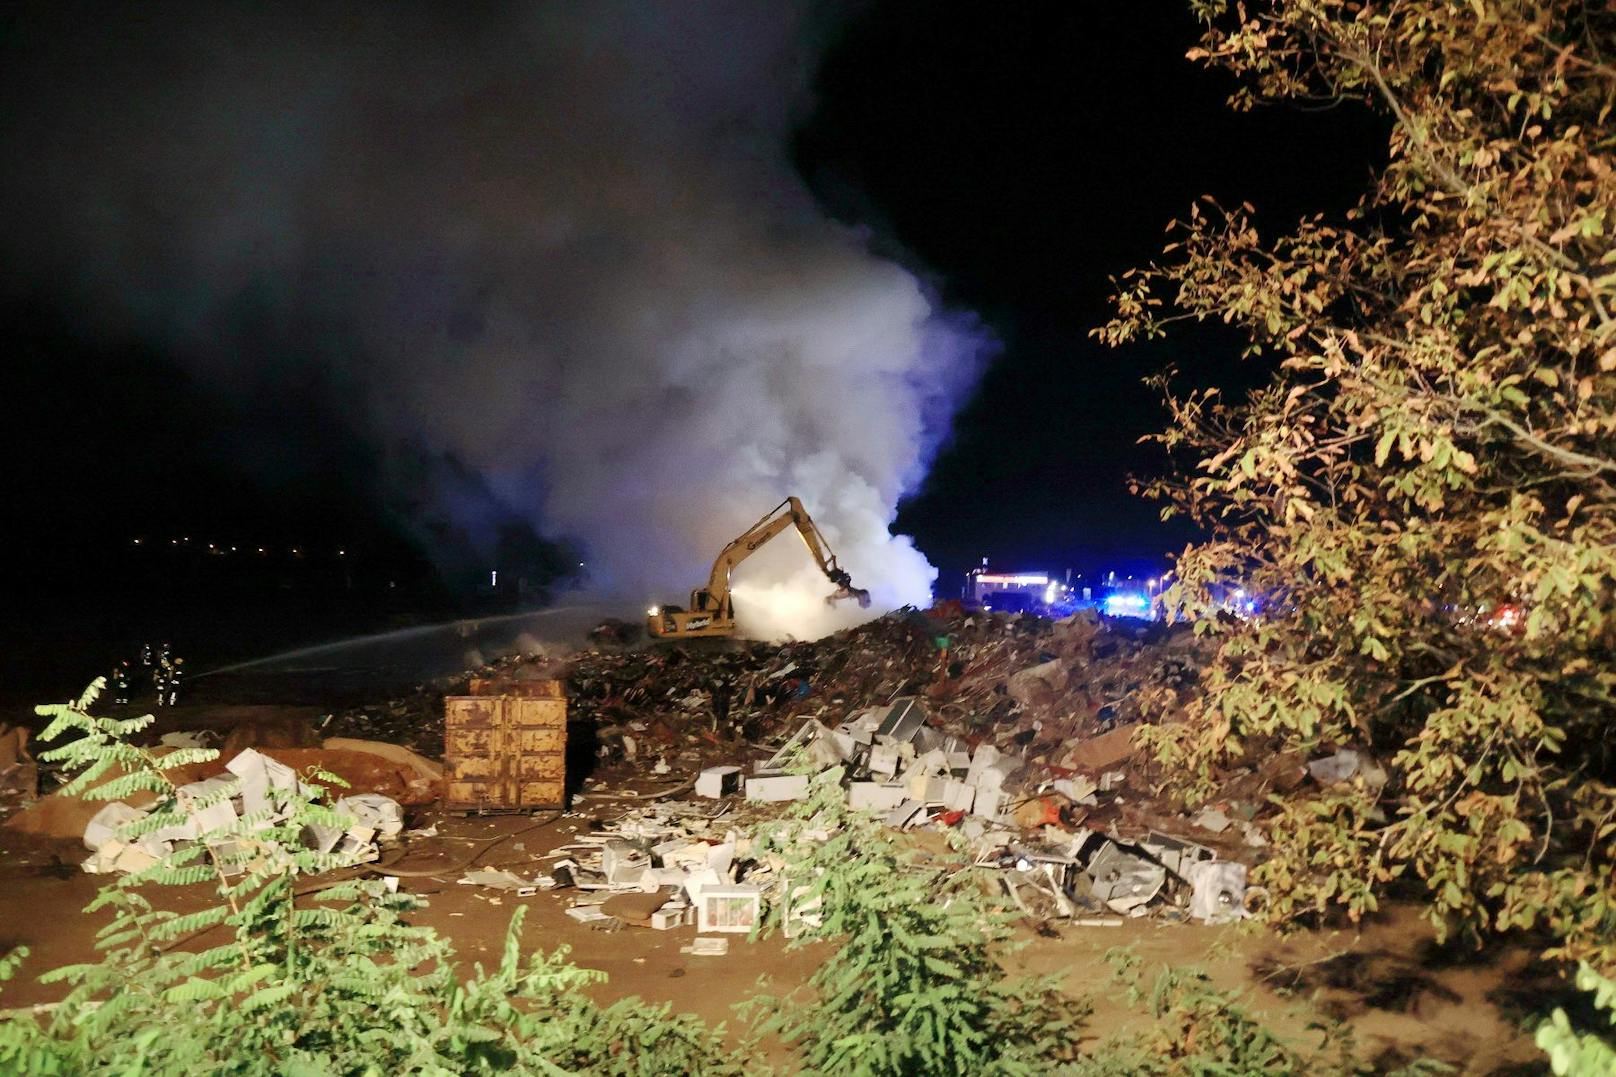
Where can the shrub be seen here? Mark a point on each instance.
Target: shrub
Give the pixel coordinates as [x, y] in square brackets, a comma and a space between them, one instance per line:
[911, 982]
[340, 984]
[1574, 1054]
[1422, 495]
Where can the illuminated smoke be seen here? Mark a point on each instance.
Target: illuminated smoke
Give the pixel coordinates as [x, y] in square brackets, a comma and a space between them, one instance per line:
[562, 247]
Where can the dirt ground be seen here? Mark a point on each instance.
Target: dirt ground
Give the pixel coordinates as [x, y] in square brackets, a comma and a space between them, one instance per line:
[1403, 996]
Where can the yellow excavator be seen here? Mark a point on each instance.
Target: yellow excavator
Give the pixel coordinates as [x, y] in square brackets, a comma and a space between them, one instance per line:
[712, 608]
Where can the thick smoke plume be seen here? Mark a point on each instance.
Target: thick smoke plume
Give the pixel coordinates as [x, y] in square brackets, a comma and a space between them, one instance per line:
[562, 246]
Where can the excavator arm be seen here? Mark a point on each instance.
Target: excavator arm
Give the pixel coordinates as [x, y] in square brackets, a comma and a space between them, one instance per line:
[783, 515]
[712, 611]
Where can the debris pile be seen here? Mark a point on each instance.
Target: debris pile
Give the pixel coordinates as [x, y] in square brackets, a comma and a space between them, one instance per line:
[256, 786]
[1066, 847]
[1017, 731]
[666, 866]
[1023, 683]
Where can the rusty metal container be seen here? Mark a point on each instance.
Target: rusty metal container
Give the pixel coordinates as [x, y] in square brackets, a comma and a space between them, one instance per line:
[506, 747]
[507, 686]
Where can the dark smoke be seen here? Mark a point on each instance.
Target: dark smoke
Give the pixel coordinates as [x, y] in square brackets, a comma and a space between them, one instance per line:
[559, 246]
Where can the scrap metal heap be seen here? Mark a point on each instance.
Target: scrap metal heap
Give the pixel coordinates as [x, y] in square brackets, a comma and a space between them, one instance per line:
[1013, 731]
[1019, 682]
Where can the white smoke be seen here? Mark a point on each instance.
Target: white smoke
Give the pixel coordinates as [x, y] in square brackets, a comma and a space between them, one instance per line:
[563, 245]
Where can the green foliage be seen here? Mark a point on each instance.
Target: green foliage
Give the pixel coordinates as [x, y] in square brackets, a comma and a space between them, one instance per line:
[1438, 443]
[1581, 1055]
[332, 982]
[911, 984]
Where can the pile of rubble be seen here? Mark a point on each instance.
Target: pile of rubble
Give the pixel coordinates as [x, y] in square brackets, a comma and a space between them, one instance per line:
[1065, 844]
[672, 865]
[256, 785]
[1022, 683]
[1014, 729]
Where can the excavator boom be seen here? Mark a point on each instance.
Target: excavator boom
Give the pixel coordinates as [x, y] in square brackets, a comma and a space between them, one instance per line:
[712, 610]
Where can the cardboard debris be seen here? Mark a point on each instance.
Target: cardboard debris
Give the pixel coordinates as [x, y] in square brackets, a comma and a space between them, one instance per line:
[876, 796]
[106, 823]
[116, 856]
[210, 805]
[671, 916]
[265, 784]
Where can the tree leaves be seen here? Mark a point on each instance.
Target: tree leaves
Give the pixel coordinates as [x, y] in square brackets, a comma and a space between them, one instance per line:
[1426, 493]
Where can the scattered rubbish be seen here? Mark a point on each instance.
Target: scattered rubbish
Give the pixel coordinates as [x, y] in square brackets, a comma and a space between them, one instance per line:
[707, 946]
[905, 813]
[107, 822]
[1016, 732]
[671, 916]
[499, 879]
[635, 908]
[776, 787]
[1124, 881]
[1344, 766]
[256, 784]
[266, 785]
[715, 782]
[1219, 891]
[735, 909]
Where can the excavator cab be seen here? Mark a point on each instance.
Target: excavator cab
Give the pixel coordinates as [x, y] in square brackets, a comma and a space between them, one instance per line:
[704, 617]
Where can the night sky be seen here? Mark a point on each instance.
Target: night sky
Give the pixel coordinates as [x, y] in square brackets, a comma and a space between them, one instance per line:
[1026, 153]
[1011, 156]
